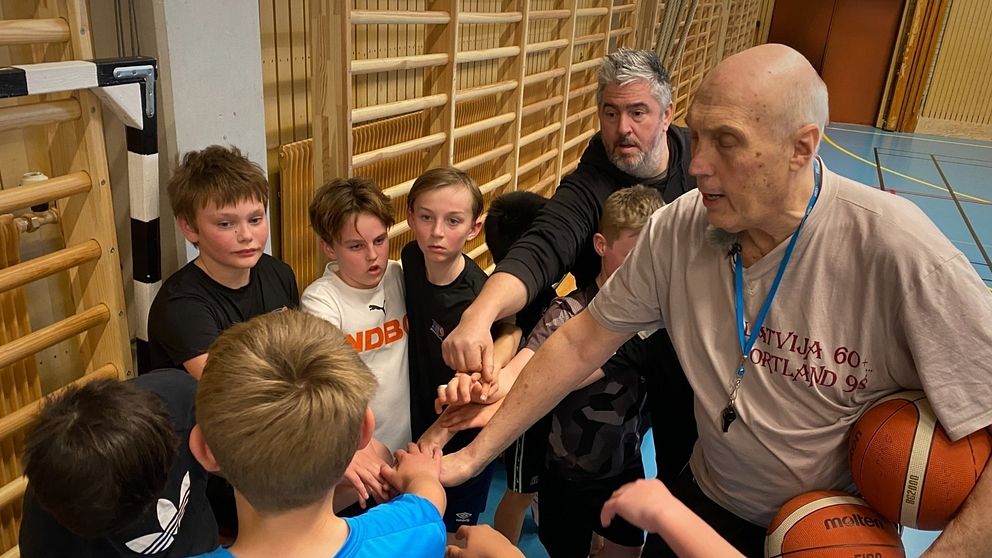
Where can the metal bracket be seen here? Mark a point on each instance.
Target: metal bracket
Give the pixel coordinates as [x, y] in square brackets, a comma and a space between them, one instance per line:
[143, 73]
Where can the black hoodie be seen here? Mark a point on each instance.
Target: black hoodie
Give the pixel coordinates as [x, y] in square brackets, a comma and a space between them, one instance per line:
[560, 240]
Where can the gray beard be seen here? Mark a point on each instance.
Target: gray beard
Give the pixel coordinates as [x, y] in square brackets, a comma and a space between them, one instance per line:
[721, 238]
[645, 166]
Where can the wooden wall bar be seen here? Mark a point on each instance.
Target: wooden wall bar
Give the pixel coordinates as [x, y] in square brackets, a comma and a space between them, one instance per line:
[501, 88]
[958, 101]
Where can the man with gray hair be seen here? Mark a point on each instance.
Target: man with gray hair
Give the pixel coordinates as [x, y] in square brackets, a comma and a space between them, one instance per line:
[637, 144]
[829, 296]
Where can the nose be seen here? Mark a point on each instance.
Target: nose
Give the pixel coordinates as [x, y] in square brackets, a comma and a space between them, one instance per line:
[437, 229]
[370, 252]
[624, 124]
[244, 233]
[698, 164]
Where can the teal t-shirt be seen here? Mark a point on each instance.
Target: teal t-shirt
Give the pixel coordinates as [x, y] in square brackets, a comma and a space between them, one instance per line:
[407, 526]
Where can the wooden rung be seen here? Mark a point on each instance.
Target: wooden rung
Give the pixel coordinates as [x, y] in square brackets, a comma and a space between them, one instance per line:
[544, 76]
[489, 17]
[388, 152]
[621, 31]
[402, 189]
[539, 134]
[38, 114]
[565, 169]
[399, 228]
[473, 162]
[477, 251]
[587, 12]
[12, 553]
[486, 54]
[544, 183]
[24, 416]
[501, 180]
[46, 191]
[541, 105]
[580, 91]
[485, 90]
[33, 31]
[43, 266]
[536, 15]
[361, 67]
[56, 333]
[587, 65]
[623, 8]
[484, 125]
[546, 45]
[578, 139]
[586, 39]
[12, 491]
[536, 162]
[397, 17]
[581, 114]
[376, 112]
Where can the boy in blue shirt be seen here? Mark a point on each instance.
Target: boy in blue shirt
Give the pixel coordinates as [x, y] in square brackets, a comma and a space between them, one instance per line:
[282, 407]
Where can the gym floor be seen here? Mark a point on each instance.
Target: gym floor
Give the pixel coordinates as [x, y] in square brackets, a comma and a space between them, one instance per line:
[943, 176]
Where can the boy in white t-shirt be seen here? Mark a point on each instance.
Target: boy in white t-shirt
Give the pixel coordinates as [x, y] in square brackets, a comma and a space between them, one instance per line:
[361, 292]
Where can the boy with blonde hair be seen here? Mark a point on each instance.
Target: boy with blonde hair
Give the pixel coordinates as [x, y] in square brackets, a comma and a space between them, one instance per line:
[444, 209]
[281, 409]
[361, 292]
[594, 444]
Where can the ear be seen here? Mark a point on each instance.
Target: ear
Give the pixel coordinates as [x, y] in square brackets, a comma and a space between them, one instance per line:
[805, 143]
[409, 218]
[188, 229]
[328, 250]
[476, 229]
[201, 451]
[368, 428]
[599, 244]
[668, 115]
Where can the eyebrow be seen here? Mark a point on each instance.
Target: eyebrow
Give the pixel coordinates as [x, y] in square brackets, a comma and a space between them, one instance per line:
[627, 107]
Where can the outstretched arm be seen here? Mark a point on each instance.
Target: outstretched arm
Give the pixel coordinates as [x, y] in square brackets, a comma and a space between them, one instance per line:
[568, 356]
[649, 505]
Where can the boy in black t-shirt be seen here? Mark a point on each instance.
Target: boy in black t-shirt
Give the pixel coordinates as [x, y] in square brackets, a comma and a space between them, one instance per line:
[219, 199]
[444, 208]
[110, 473]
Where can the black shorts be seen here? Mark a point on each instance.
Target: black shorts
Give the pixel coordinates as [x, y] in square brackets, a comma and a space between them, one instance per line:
[746, 537]
[570, 511]
[467, 501]
[524, 459]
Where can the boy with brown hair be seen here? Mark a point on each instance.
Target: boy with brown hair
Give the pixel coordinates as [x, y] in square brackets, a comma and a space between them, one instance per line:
[281, 409]
[444, 209]
[219, 198]
[361, 292]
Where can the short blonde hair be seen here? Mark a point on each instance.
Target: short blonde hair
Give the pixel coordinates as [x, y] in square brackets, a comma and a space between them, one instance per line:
[441, 177]
[628, 208]
[342, 199]
[215, 174]
[281, 404]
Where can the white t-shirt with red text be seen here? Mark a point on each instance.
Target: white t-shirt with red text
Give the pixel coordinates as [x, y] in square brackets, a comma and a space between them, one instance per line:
[375, 323]
[875, 300]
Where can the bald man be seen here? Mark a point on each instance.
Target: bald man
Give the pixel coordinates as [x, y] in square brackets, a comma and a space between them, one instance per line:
[872, 299]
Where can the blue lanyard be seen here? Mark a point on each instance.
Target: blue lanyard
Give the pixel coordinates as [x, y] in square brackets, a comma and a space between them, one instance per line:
[747, 343]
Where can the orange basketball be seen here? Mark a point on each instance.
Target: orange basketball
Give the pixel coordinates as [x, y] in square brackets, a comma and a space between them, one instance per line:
[831, 524]
[907, 468]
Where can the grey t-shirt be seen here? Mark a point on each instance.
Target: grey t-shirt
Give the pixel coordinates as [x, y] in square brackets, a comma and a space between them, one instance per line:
[875, 300]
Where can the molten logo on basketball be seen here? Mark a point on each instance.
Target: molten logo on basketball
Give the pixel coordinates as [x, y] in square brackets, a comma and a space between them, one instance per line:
[853, 520]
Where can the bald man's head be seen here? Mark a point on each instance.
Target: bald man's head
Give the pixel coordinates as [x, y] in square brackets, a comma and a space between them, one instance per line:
[778, 83]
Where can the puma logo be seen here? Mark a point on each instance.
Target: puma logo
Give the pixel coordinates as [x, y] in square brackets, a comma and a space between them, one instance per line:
[373, 308]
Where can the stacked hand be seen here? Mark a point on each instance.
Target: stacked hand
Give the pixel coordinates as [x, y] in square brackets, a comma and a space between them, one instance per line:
[364, 472]
[413, 464]
[465, 388]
